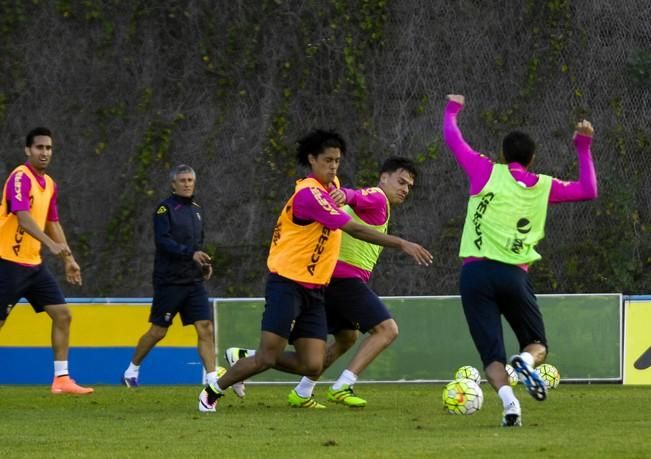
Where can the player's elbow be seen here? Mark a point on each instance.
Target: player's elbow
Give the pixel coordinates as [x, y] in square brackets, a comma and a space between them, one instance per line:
[353, 229]
[22, 216]
[591, 192]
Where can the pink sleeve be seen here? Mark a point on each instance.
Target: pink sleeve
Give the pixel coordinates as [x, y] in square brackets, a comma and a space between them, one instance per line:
[53, 211]
[18, 189]
[477, 167]
[369, 204]
[314, 204]
[586, 187]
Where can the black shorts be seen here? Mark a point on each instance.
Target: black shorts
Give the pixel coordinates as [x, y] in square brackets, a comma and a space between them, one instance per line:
[352, 305]
[489, 290]
[34, 283]
[293, 311]
[190, 301]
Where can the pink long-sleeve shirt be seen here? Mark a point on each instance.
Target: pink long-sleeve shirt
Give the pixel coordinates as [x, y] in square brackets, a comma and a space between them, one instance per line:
[308, 208]
[370, 205]
[478, 167]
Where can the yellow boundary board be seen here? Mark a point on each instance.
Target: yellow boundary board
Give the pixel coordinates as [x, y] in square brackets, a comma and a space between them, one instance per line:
[637, 342]
[93, 325]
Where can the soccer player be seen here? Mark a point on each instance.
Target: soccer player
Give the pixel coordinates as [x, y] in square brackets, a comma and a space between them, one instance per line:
[180, 269]
[29, 218]
[505, 220]
[351, 306]
[302, 257]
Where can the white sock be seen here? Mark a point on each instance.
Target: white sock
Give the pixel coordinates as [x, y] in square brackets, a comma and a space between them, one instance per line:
[528, 358]
[250, 352]
[132, 371]
[347, 377]
[305, 387]
[60, 368]
[507, 395]
[211, 378]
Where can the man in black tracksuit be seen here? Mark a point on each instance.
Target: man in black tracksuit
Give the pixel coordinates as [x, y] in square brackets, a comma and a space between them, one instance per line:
[180, 267]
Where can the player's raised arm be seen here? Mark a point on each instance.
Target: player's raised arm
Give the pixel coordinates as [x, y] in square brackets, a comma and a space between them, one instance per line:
[476, 166]
[585, 188]
[585, 128]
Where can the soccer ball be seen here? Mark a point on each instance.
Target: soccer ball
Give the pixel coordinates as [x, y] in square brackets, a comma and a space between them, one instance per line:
[462, 396]
[468, 372]
[550, 375]
[513, 376]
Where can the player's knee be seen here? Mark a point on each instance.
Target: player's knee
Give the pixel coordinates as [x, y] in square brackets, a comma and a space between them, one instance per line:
[157, 333]
[265, 360]
[387, 330]
[205, 329]
[61, 317]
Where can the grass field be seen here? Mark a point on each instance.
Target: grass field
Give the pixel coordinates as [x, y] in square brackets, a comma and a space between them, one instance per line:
[596, 421]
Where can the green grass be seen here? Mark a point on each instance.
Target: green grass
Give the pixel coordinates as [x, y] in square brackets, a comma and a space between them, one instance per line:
[400, 421]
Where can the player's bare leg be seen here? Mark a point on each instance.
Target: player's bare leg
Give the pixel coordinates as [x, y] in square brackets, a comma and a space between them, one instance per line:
[270, 349]
[380, 337]
[145, 344]
[206, 344]
[344, 340]
[61, 319]
[62, 383]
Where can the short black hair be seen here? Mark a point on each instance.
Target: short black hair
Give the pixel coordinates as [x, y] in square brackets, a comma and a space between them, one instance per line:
[518, 147]
[29, 139]
[394, 163]
[316, 143]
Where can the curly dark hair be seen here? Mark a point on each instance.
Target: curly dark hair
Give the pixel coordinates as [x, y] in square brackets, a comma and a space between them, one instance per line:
[316, 143]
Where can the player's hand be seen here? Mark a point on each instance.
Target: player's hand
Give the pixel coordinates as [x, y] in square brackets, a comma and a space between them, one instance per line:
[338, 196]
[60, 249]
[73, 271]
[585, 128]
[206, 270]
[458, 98]
[418, 253]
[201, 257]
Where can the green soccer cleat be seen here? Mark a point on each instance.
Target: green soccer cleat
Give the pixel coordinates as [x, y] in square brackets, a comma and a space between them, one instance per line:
[296, 401]
[346, 396]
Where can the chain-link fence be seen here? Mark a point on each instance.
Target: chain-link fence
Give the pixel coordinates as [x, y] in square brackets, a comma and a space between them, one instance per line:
[131, 89]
